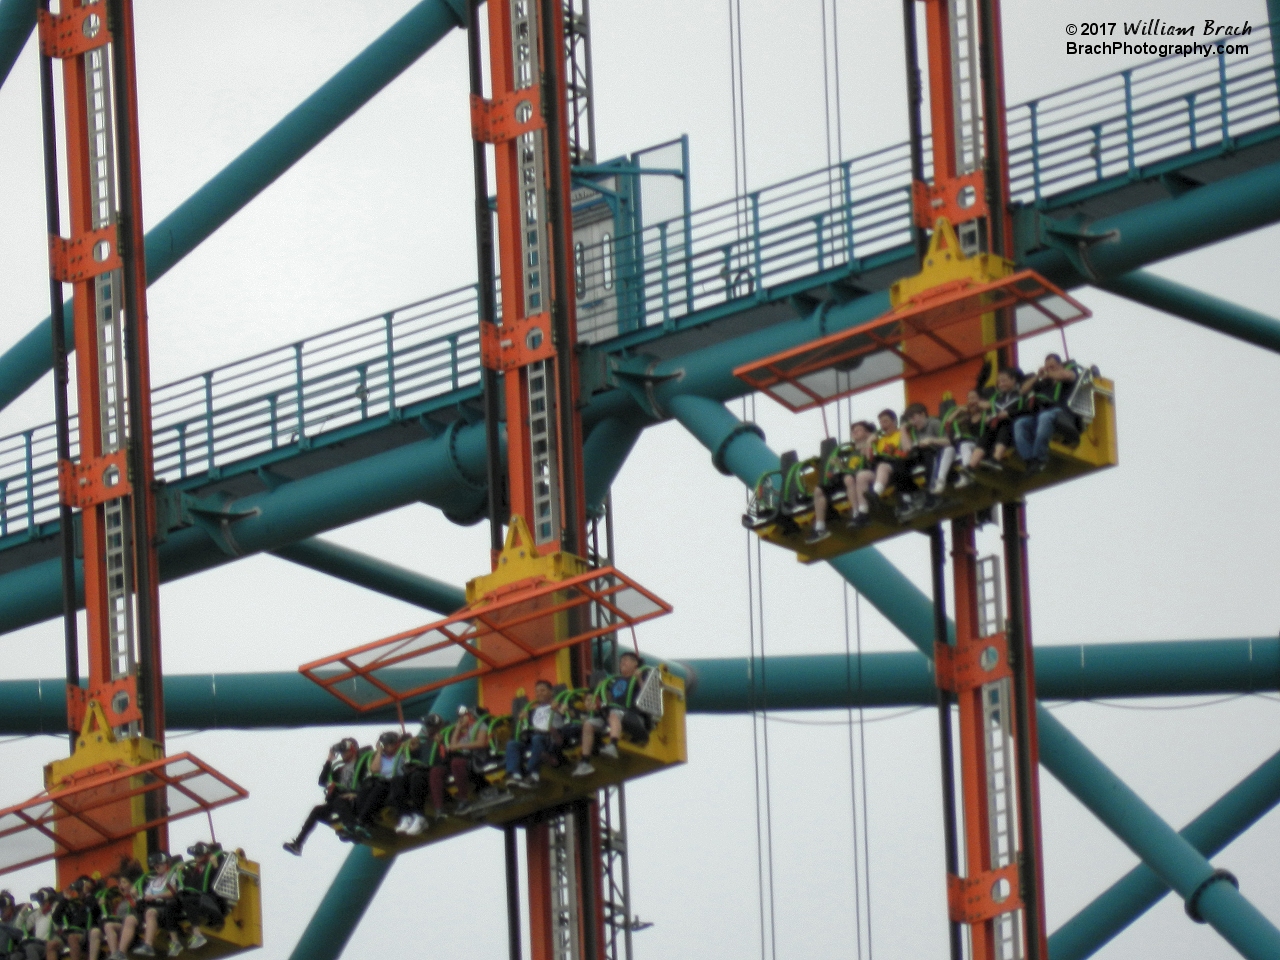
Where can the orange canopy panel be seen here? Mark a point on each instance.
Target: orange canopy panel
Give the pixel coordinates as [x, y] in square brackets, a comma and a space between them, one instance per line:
[110, 806]
[924, 335]
[499, 631]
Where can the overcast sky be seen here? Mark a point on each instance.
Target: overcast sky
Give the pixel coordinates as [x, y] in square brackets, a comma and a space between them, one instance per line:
[1176, 543]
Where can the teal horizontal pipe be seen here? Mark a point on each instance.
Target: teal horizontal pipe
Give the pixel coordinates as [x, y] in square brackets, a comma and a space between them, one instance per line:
[209, 701]
[1140, 889]
[361, 874]
[254, 170]
[720, 685]
[1068, 672]
[1201, 308]
[17, 21]
[1174, 860]
[374, 574]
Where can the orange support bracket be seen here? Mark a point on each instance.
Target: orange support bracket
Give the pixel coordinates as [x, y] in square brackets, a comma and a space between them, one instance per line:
[958, 199]
[506, 116]
[85, 255]
[983, 896]
[510, 346]
[94, 480]
[970, 665]
[77, 31]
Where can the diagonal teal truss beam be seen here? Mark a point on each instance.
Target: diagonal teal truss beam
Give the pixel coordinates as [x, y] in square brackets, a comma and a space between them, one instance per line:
[1147, 288]
[1140, 889]
[374, 574]
[254, 170]
[17, 21]
[739, 449]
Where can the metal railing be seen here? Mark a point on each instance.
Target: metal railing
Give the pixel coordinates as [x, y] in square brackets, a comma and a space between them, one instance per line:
[730, 254]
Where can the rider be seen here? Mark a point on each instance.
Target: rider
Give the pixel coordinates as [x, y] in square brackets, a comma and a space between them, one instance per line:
[616, 696]
[379, 770]
[76, 916]
[157, 896]
[1002, 410]
[537, 731]
[119, 916]
[843, 467]
[36, 922]
[965, 426]
[338, 778]
[1046, 394]
[925, 442]
[461, 740]
[13, 935]
[200, 902]
[409, 790]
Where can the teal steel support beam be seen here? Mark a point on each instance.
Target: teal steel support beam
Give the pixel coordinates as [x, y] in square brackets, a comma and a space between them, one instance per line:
[1140, 889]
[1075, 254]
[1236, 321]
[1187, 668]
[361, 874]
[606, 449]
[374, 574]
[1177, 863]
[343, 906]
[254, 170]
[432, 471]
[17, 21]
[739, 448]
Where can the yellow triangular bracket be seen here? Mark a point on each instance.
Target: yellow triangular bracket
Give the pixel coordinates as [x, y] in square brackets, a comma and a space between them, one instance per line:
[945, 264]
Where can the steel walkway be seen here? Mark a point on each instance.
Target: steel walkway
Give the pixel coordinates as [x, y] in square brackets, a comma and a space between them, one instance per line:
[1132, 138]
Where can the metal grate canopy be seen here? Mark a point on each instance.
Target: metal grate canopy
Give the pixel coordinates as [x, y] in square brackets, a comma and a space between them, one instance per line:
[96, 810]
[925, 335]
[499, 632]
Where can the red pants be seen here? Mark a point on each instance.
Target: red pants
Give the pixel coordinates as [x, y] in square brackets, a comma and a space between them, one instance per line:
[459, 768]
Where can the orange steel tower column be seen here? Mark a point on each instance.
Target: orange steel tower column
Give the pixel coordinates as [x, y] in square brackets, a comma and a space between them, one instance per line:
[988, 674]
[530, 343]
[111, 481]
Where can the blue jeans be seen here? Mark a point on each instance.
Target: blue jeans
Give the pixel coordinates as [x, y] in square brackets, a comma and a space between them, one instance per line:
[1031, 434]
[539, 747]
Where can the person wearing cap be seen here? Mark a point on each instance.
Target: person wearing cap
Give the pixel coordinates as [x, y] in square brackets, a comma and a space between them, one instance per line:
[460, 739]
[201, 904]
[383, 766]
[409, 790]
[158, 902]
[338, 779]
[536, 736]
[616, 697]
